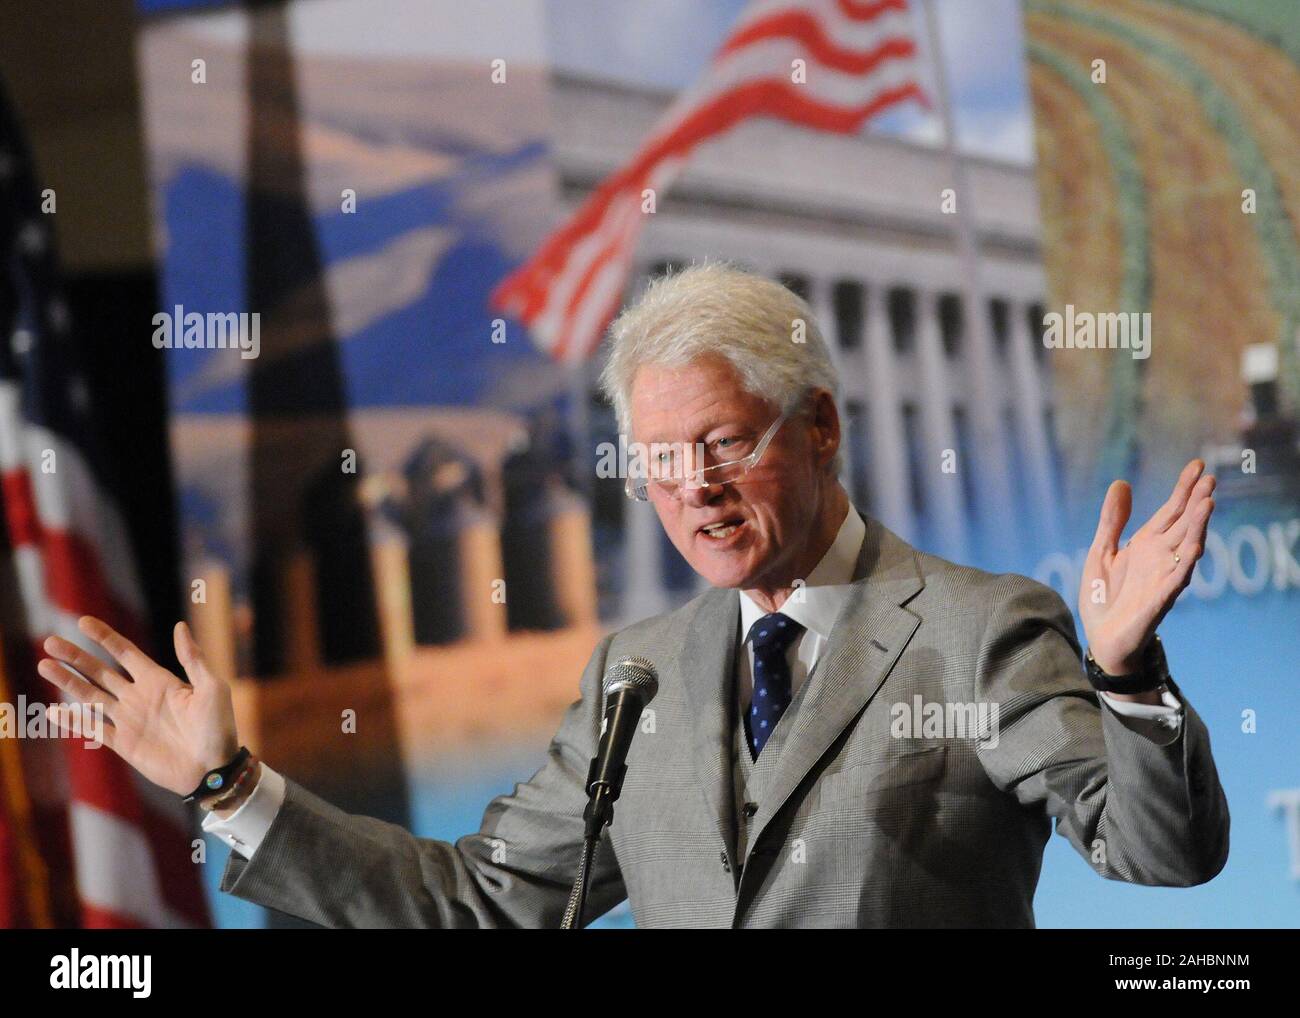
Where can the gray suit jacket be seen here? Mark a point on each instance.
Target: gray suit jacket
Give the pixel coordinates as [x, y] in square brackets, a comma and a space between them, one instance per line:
[855, 827]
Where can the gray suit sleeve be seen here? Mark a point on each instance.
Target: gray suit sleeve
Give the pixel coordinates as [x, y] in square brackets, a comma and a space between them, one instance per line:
[336, 869]
[1139, 805]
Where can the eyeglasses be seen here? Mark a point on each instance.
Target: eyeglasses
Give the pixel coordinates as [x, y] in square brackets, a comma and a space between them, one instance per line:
[720, 473]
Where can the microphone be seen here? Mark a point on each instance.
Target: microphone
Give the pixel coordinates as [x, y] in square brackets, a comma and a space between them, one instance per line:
[629, 685]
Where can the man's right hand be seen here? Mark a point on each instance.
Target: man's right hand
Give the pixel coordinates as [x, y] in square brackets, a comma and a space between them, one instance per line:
[170, 732]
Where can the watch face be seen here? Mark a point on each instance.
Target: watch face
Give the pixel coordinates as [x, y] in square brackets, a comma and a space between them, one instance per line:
[214, 781]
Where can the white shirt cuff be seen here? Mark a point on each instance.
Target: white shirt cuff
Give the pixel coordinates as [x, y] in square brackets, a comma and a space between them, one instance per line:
[244, 829]
[1168, 716]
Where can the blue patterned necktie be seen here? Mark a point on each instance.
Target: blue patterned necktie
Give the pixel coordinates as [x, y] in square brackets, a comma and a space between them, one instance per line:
[770, 636]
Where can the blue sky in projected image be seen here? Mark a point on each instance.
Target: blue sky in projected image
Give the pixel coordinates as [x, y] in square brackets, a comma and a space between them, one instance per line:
[668, 42]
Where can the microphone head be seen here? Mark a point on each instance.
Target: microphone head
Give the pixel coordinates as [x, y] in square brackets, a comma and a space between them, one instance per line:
[633, 674]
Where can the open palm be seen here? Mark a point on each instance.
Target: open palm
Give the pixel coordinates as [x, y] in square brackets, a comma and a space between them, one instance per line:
[171, 732]
[1125, 592]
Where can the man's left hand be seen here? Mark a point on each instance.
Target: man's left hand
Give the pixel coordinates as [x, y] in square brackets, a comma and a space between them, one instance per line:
[1125, 592]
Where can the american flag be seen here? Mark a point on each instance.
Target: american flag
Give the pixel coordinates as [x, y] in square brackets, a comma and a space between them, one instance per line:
[859, 59]
[84, 841]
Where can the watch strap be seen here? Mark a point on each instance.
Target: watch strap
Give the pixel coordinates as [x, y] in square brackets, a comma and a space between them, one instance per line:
[218, 779]
[1153, 674]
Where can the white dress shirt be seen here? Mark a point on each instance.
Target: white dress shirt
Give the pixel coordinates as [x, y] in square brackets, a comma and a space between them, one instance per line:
[815, 605]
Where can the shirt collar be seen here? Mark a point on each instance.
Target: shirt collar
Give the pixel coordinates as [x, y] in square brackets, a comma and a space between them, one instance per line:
[827, 587]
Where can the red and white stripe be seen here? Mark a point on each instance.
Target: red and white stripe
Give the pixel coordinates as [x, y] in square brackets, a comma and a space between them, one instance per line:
[130, 842]
[859, 59]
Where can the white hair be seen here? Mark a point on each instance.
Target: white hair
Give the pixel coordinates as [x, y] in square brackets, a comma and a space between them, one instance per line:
[764, 330]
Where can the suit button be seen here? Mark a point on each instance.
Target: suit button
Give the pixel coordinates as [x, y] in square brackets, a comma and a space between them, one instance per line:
[750, 809]
[726, 865]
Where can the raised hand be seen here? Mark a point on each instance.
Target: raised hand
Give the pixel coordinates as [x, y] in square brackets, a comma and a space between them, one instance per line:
[170, 732]
[1125, 592]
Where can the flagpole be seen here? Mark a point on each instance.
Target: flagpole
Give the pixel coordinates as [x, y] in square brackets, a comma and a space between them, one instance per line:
[993, 479]
[579, 425]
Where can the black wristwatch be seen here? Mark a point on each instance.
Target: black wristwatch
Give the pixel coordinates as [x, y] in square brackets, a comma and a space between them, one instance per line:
[1153, 674]
[219, 778]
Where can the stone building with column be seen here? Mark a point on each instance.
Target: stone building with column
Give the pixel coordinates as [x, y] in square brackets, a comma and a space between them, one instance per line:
[855, 225]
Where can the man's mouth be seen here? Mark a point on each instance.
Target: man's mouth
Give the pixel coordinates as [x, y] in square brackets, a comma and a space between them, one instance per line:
[721, 530]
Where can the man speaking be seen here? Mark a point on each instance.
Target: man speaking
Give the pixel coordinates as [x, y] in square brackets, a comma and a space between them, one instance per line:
[778, 785]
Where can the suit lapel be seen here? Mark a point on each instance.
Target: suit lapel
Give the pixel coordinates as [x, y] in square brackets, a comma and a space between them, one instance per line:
[707, 664]
[867, 639]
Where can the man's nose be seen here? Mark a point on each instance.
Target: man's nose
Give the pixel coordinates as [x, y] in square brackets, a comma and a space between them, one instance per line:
[697, 494]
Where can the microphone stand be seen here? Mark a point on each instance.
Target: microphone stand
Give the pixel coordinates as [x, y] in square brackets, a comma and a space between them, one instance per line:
[598, 815]
[629, 686]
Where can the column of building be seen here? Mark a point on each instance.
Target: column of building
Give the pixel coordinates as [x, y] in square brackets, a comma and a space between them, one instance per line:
[940, 460]
[890, 472]
[1031, 402]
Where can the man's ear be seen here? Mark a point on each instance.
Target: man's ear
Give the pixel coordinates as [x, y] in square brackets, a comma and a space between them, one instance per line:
[825, 426]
